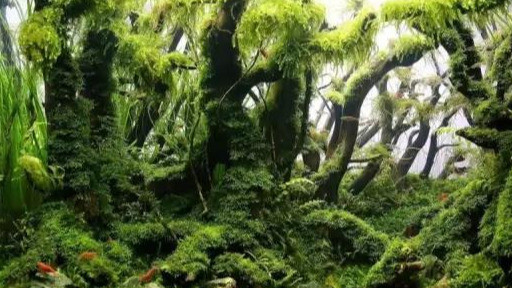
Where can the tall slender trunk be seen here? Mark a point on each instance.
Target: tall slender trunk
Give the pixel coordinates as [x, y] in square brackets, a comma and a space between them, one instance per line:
[373, 167]
[412, 150]
[433, 147]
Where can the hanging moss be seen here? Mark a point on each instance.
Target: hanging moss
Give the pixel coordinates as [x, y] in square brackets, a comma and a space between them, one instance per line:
[142, 54]
[435, 14]
[406, 46]
[39, 39]
[352, 41]
[283, 21]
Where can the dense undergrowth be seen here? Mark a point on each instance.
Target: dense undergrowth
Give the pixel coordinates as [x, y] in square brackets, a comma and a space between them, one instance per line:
[410, 239]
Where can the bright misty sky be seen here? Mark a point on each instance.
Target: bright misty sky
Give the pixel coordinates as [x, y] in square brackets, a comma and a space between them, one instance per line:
[335, 16]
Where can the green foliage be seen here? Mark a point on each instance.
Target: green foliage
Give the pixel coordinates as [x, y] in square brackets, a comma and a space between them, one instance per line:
[501, 245]
[37, 172]
[39, 38]
[347, 277]
[141, 209]
[351, 235]
[407, 46]
[490, 113]
[296, 191]
[427, 16]
[390, 268]
[352, 41]
[240, 195]
[141, 234]
[284, 22]
[264, 270]
[245, 270]
[142, 54]
[23, 132]
[477, 271]
[433, 15]
[58, 236]
[192, 256]
[500, 66]
[451, 229]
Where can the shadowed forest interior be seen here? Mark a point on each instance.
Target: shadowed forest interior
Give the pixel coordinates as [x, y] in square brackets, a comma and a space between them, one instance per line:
[256, 143]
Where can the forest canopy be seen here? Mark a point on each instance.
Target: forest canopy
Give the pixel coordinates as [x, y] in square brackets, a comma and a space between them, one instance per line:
[256, 143]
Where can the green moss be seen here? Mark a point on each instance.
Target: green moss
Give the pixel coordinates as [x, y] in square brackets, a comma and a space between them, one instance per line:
[501, 245]
[407, 46]
[240, 195]
[299, 190]
[59, 239]
[477, 271]
[281, 121]
[391, 268]
[351, 41]
[19, 269]
[349, 234]
[428, 16]
[500, 70]
[434, 14]
[265, 270]
[489, 138]
[35, 168]
[347, 277]
[284, 21]
[99, 271]
[39, 39]
[243, 269]
[455, 227]
[142, 55]
[491, 113]
[191, 258]
[488, 225]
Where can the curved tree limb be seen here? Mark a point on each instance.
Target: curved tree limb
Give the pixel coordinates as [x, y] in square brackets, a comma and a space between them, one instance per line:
[328, 179]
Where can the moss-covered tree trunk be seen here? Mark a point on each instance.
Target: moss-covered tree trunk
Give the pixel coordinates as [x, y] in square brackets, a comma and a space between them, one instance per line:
[386, 122]
[283, 125]
[331, 174]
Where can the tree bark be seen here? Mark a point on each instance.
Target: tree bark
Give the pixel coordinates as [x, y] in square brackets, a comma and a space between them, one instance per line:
[373, 167]
[336, 120]
[368, 135]
[411, 152]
